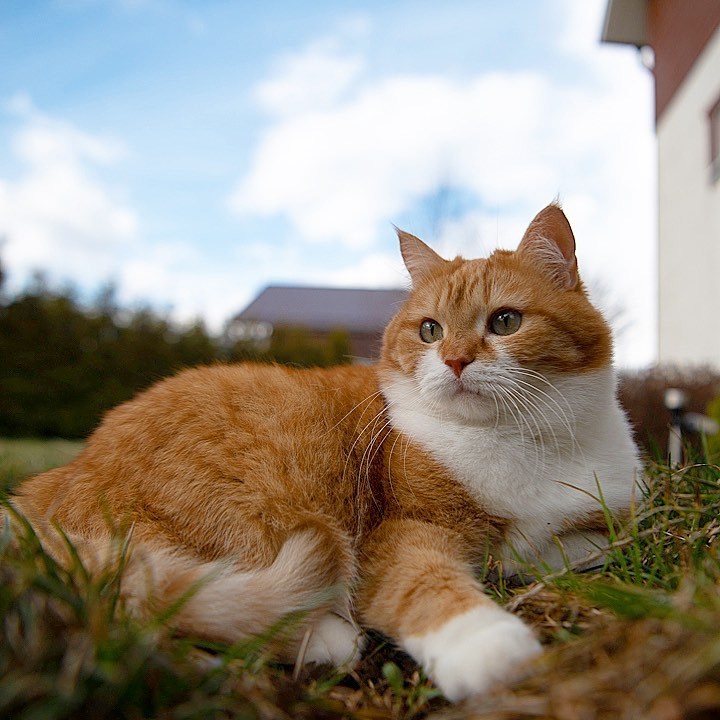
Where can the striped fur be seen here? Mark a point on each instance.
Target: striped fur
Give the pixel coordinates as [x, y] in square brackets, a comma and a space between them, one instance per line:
[369, 494]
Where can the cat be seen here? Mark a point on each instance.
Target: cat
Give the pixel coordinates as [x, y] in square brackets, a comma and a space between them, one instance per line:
[368, 496]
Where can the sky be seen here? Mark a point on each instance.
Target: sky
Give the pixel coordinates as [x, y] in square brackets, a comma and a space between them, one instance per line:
[192, 153]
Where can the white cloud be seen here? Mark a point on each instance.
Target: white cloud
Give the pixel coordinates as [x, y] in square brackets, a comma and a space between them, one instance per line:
[339, 173]
[176, 278]
[58, 213]
[314, 78]
[374, 270]
[341, 169]
[478, 233]
[62, 216]
[345, 152]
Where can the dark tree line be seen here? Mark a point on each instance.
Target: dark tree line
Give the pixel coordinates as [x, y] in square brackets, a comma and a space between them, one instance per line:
[63, 364]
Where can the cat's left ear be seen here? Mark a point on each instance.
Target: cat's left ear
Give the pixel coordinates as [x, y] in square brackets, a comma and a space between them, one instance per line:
[421, 261]
[550, 242]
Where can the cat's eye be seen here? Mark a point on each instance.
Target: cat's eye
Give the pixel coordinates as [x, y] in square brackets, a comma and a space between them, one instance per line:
[431, 331]
[505, 322]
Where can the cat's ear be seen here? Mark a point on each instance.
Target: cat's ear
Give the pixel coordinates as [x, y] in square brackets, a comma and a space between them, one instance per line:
[421, 261]
[550, 242]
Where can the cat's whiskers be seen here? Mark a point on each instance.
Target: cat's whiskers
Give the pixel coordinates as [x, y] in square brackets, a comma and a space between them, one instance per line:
[370, 425]
[508, 409]
[567, 419]
[513, 400]
[389, 470]
[534, 407]
[369, 399]
[379, 435]
[427, 394]
[376, 427]
[535, 412]
[358, 435]
[497, 411]
[375, 445]
[405, 453]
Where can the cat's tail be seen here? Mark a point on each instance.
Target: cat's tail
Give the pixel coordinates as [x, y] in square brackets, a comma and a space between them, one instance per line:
[307, 581]
[219, 601]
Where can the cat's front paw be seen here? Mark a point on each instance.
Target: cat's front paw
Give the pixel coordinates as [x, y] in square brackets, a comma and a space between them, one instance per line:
[473, 651]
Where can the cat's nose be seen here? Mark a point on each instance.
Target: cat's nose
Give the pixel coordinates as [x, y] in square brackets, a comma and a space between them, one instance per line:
[458, 364]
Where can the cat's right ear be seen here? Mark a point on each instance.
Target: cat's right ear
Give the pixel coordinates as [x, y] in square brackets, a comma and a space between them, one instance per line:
[421, 261]
[550, 242]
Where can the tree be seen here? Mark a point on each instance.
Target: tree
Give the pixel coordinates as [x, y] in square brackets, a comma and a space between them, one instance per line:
[293, 345]
[62, 366]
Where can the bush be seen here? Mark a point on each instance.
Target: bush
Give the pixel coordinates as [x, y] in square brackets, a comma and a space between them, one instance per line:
[297, 346]
[63, 365]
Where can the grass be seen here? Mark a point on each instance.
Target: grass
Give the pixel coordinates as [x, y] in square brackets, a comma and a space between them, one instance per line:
[639, 639]
[20, 458]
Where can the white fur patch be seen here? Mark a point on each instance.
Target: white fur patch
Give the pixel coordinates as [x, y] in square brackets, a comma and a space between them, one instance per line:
[537, 459]
[473, 651]
[579, 550]
[334, 640]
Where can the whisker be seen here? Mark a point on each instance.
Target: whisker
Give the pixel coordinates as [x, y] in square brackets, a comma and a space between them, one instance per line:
[537, 439]
[390, 478]
[537, 414]
[552, 402]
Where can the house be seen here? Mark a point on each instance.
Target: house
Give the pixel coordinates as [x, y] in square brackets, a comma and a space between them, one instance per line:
[363, 314]
[680, 40]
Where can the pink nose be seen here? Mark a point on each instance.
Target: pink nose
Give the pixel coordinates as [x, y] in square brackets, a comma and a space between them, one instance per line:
[458, 365]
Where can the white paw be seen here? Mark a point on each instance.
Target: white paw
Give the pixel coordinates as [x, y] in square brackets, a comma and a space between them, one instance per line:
[577, 549]
[334, 640]
[474, 650]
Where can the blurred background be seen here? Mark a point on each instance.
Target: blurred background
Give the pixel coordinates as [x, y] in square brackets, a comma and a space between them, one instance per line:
[182, 182]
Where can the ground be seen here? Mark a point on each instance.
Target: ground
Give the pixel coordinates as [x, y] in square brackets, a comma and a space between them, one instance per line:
[637, 639]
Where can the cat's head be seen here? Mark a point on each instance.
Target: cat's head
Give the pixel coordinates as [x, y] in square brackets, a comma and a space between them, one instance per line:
[474, 334]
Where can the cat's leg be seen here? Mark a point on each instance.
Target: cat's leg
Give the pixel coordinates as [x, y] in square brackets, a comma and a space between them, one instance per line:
[580, 549]
[417, 588]
[303, 592]
[305, 582]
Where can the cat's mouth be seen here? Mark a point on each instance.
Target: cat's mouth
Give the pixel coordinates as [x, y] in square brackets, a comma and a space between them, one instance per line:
[463, 388]
[479, 389]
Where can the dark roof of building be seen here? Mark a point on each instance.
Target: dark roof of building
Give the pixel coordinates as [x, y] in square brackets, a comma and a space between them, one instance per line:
[325, 308]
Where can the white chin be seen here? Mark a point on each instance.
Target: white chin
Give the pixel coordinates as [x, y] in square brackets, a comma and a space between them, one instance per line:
[467, 405]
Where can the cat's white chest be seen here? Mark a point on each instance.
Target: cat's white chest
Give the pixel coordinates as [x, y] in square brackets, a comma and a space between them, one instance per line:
[541, 482]
[499, 467]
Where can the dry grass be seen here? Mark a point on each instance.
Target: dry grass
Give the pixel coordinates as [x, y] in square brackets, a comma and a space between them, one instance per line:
[639, 639]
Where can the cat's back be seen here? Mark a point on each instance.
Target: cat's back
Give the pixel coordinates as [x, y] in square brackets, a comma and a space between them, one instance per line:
[235, 403]
[211, 431]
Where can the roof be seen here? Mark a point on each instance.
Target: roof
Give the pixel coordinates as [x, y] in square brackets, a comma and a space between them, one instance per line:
[325, 308]
[626, 22]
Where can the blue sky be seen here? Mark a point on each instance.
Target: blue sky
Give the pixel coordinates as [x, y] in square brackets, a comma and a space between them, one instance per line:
[194, 152]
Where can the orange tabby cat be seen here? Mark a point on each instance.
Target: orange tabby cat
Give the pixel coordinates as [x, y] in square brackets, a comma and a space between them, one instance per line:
[368, 495]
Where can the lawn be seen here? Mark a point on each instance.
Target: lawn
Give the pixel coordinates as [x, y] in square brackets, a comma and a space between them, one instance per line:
[638, 639]
[20, 458]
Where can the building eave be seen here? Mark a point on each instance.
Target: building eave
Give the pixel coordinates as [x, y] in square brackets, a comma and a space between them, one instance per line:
[626, 22]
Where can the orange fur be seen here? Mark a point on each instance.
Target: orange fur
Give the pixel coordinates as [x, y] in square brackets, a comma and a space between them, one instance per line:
[272, 489]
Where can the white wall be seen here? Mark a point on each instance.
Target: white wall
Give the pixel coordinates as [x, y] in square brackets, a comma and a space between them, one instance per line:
[689, 220]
